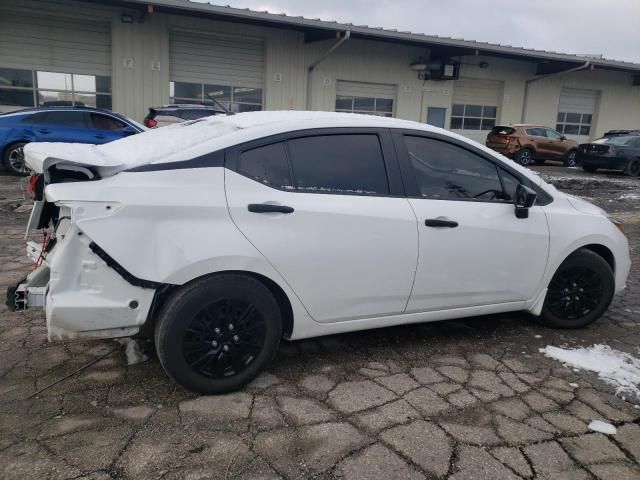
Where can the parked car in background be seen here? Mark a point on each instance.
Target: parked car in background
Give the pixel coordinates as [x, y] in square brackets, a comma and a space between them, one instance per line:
[527, 144]
[316, 223]
[616, 152]
[617, 133]
[178, 113]
[58, 124]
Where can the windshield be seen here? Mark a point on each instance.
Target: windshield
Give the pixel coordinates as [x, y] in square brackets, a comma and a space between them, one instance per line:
[616, 140]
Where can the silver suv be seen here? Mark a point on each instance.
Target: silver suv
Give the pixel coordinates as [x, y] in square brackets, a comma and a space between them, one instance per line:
[178, 113]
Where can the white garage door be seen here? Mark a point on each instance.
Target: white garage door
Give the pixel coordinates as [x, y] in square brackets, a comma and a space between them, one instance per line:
[576, 110]
[367, 98]
[229, 69]
[475, 107]
[48, 60]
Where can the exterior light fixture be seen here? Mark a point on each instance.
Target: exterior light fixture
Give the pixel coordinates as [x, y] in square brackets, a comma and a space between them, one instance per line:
[418, 66]
[126, 18]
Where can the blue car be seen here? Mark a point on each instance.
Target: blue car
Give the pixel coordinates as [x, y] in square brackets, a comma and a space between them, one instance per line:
[58, 124]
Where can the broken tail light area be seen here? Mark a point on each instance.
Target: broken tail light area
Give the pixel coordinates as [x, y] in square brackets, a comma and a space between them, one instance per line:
[35, 186]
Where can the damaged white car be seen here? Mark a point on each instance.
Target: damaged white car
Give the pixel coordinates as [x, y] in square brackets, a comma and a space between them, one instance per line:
[221, 236]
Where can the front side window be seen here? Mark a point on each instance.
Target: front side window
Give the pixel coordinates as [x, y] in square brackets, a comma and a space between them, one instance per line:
[339, 164]
[382, 107]
[447, 172]
[473, 117]
[552, 134]
[235, 99]
[574, 123]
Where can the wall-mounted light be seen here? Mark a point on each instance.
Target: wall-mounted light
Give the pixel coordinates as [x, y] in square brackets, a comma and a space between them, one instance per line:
[484, 65]
[126, 18]
[418, 66]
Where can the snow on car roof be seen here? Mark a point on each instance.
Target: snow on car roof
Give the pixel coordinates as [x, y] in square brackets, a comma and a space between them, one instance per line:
[184, 141]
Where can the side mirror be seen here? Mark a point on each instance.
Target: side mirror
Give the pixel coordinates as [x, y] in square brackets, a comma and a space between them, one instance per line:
[525, 199]
[562, 138]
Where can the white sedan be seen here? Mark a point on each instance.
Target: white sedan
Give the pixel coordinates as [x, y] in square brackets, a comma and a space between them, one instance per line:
[221, 236]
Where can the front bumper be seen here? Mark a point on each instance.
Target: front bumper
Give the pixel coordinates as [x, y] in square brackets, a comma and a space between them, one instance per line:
[602, 161]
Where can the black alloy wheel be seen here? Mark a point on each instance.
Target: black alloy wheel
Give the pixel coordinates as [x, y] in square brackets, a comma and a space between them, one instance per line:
[579, 292]
[216, 334]
[633, 167]
[524, 157]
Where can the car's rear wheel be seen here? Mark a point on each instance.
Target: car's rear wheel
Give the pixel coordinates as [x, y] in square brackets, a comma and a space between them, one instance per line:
[13, 159]
[579, 292]
[589, 169]
[570, 159]
[633, 167]
[216, 334]
[524, 157]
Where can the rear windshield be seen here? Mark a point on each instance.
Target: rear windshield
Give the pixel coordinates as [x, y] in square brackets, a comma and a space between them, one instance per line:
[503, 130]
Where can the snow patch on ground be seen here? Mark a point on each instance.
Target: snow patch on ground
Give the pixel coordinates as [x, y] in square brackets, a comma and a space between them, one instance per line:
[602, 427]
[618, 369]
[133, 351]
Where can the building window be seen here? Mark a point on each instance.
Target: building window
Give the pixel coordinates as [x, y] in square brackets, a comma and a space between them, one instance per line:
[29, 88]
[235, 99]
[473, 117]
[383, 107]
[574, 123]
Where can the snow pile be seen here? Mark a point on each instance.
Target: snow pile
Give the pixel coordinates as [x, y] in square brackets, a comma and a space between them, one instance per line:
[133, 351]
[602, 427]
[618, 369]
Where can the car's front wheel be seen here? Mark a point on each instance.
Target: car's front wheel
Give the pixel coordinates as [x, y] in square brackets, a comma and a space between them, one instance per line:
[218, 333]
[579, 292]
[13, 159]
[524, 157]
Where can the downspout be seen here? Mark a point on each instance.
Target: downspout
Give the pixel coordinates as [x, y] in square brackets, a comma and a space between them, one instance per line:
[334, 47]
[586, 64]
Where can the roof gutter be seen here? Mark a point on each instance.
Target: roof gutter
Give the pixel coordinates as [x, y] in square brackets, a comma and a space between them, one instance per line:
[584, 66]
[311, 68]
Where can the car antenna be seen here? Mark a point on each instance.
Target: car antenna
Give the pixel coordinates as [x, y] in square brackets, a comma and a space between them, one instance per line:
[225, 110]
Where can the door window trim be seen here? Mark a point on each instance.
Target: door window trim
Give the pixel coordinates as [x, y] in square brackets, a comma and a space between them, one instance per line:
[411, 184]
[389, 156]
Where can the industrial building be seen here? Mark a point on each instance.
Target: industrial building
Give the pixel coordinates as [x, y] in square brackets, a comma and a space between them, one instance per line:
[131, 55]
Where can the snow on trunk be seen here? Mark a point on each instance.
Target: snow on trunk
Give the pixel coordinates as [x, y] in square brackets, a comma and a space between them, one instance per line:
[618, 369]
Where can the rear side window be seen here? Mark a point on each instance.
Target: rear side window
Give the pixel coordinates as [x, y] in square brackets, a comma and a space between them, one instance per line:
[66, 119]
[447, 172]
[339, 164]
[267, 165]
[536, 132]
[105, 122]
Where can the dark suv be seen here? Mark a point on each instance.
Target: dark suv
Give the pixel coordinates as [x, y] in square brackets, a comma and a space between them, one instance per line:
[168, 114]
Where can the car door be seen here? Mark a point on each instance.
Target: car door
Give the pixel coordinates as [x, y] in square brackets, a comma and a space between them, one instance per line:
[105, 128]
[473, 249]
[556, 145]
[538, 140]
[327, 209]
[62, 126]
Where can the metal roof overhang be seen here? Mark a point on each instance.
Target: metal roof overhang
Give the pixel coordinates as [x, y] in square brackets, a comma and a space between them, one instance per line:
[316, 29]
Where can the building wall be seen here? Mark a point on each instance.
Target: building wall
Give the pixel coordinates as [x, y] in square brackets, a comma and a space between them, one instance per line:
[141, 71]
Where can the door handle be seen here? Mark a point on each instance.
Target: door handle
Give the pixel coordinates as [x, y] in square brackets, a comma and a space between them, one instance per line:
[440, 222]
[268, 208]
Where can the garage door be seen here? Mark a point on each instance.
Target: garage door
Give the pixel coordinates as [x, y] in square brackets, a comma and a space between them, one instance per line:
[368, 98]
[229, 69]
[576, 110]
[48, 60]
[475, 107]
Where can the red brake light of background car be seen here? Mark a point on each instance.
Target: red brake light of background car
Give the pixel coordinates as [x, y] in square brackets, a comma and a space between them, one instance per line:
[32, 186]
[150, 123]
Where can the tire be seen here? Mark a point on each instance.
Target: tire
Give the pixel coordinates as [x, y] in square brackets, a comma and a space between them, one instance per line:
[13, 159]
[589, 169]
[570, 159]
[524, 157]
[217, 334]
[579, 292]
[633, 168]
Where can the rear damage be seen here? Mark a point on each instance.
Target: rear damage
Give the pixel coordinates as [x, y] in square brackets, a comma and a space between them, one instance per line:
[84, 294]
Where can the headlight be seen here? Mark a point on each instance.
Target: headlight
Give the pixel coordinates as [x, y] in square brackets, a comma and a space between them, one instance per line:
[619, 225]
